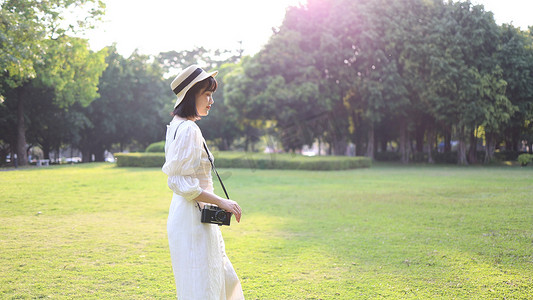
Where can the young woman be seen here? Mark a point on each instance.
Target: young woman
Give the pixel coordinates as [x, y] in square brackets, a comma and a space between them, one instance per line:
[201, 268]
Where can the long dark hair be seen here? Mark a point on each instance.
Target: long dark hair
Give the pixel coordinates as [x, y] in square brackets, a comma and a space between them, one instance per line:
[187, 108]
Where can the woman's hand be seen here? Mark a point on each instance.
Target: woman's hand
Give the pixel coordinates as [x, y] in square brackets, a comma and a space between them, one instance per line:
[232, 207]
[226, 204]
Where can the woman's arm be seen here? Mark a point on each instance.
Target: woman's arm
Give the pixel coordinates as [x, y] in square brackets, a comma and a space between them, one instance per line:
[226, 204]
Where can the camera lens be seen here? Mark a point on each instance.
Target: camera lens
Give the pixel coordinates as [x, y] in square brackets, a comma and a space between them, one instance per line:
[220, 216]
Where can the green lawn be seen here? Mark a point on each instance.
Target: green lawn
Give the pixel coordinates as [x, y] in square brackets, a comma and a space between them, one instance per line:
[96, 231]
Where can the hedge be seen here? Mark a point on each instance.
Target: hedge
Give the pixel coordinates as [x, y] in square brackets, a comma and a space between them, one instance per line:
[144, 160]
[254, 161]
[445, 157]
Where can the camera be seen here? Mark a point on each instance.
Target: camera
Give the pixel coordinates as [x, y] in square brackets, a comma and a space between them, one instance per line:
[215, 215]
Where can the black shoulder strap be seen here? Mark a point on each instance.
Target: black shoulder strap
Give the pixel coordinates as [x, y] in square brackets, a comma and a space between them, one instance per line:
[213, 165]
[177, 129]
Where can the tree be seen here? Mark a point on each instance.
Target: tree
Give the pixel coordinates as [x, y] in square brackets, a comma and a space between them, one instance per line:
[286, 85]
[131, 109]
[172, 61]
[221, 126]
[67, 73]
[27, 29]
[464, 36]
[515, 57]
[497, 109]
[370, 72]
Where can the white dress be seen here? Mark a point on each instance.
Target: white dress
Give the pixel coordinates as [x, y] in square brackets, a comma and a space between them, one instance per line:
[201, 268]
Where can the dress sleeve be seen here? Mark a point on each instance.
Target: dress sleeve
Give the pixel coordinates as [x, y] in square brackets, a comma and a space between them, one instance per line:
[182, 162]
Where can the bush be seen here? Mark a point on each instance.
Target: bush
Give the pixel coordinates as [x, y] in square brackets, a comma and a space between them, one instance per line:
[254, 161]
[156, 147]
[525, 159]
[145, 160]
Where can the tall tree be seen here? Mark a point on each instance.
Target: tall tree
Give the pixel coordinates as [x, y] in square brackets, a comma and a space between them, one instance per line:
[67, 73]
[515, 57]
[131, 108]
[26, 26]
[221, 126]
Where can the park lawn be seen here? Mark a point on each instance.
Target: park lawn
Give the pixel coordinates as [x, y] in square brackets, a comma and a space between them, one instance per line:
[95, 231]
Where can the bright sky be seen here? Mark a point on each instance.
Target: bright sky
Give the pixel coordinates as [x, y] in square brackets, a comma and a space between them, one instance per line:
[162, 25]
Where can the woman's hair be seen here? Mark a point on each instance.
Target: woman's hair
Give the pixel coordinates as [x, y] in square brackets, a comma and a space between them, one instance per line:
[187, 107]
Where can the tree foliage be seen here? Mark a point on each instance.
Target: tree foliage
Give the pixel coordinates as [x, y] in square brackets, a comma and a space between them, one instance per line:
[406, 71]
[34, 46]
[399, 76]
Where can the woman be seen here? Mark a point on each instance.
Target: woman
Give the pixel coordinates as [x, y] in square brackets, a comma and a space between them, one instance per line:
[201, 267]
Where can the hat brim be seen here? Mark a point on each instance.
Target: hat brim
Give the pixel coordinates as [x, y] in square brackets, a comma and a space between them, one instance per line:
[201, 77]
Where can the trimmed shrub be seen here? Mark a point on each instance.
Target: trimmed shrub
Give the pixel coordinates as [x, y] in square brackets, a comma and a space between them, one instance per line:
[525, 159]
[289, 161]
[156, 147]
[145, 160]
[254, 161]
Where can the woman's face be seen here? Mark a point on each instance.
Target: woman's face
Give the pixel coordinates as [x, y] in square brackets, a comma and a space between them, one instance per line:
[204, 99]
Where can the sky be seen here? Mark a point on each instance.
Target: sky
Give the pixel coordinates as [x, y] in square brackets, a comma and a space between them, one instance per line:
[162, 25]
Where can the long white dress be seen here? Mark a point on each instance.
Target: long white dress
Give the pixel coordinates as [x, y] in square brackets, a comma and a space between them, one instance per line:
[201, 268]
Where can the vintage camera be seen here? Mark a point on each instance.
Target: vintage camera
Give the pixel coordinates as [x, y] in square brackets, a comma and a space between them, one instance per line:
[215, 215]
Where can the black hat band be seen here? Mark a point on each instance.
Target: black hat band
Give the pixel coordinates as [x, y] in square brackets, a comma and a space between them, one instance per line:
[187, 80]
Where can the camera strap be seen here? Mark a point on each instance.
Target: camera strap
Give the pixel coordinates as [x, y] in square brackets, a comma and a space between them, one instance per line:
[213, 166]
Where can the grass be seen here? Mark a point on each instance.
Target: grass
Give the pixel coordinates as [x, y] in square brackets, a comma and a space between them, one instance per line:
[96, 231]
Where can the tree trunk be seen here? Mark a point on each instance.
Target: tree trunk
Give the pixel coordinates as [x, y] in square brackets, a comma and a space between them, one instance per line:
[3, 156]
[21, 131]
[512, 139]
[461, 149]
[489, 147]
[472, 153]
[431, 140]
[447, 139]
[461, 153]
[370, 145]
[404, 147]
[46, 151]
[339, 146]
[383, 145]
[85, 155]
[420, 131]
[99, 155]
[359, 146]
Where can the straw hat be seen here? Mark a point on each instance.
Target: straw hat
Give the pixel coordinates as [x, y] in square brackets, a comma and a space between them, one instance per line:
[186, 79]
